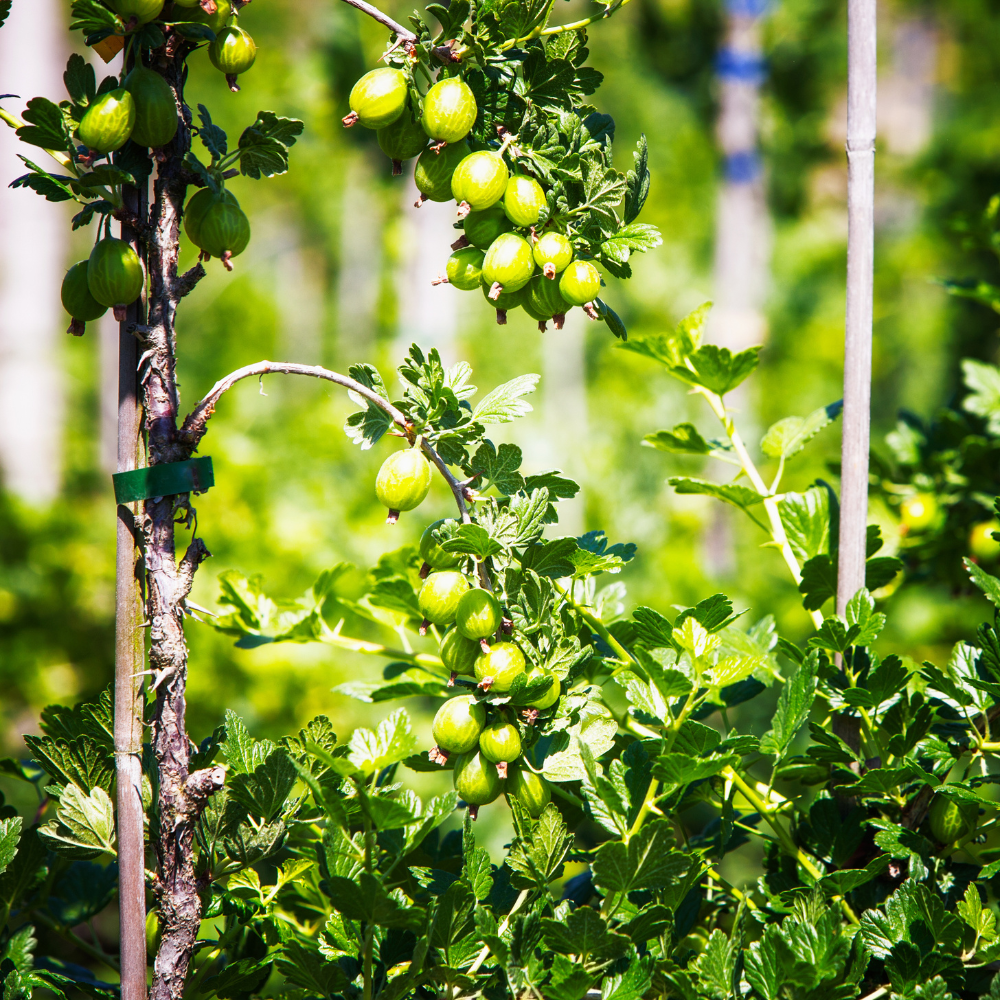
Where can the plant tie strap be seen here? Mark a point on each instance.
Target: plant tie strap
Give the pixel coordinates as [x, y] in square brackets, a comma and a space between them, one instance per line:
[169, 479]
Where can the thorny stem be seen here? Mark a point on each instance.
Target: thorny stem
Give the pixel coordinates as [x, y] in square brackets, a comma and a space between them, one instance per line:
[404, 35]
[770, 502]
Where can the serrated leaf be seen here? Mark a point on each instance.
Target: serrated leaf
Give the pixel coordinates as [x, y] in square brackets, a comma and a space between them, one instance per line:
[731, 493]
[789, 436]
[806, 520]
[263, 793]
[861, 612]
[392, 742]
[636, 236]
[537, 857]
[84, 826]
[367, 426]
[583, 934]
[4, 10]
[10, 834]
[47, 127]
[83, 761]
[983, 381]
[986, 582]
[243, 753]
[498, 467]
[717, 368]
[648, 861]
[473, 540]
[213, 138]
[684, 439]
[505, 402]
[264, 145]
[81, 83]
[637, 181]
[794, 704]
[552, 559]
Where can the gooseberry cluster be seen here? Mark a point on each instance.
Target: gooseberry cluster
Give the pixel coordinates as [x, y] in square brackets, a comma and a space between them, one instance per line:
[107, 137]
[480, 730]
[503, 131]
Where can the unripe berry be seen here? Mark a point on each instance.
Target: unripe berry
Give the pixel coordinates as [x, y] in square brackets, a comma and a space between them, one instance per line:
[378, 98]
[580, 283]
[480, 180]
[449, 110]
[198, 205]
[483, 228]
[155, 109]
[218, 225]
[78, 301]
[458, 723]
[549, 697]
[919, 511]
[402, 482]
[531, 790]
[465, 268]
[439, 596]
[402, 140]
[458, 654]
[982, 544]
[142, 10]
[432, 553]
[108, 122]
[497, 669]
[217, 21]
[433, 171]
[523, 200]
[233, 52]
[476, 780]
[950, 821]
[114, 273]
[553, 252]
[504, 302]
[546, 299]
[478, 614]
[508, 263]
[500, 742]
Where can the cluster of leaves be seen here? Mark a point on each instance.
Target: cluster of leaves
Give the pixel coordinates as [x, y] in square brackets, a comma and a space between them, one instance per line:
[531, 82]
[953, 461]
[806, 522]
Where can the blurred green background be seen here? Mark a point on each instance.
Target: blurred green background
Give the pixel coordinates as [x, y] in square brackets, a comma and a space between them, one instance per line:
[330, 278]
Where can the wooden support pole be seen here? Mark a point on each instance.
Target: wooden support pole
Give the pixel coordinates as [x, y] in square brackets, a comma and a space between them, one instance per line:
[129, 659]
[861, 87]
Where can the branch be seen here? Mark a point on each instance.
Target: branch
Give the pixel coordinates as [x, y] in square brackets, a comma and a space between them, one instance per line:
[194, 424]
[184, 285]
[408, 38]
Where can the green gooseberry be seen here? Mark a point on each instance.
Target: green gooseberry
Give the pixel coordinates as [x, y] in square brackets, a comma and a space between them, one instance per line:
[401, 140]
[465, 268]
[142, 10]
[155, 108]
[433, 171]
[431, 552]
[233, 52]
[78, 301]
[500, 742]
[524, 200]
[458, 723]
[508, 263]
[476, 780]
[114, 273]
[108, 122]
[553, 251]
[480, 180]
[449, 110]
[439, 596]
[378, 98]
[530, 789]
[504, 302]
[497, 668]
[478, 614]
[482, 228]
[580, 282]
[458, 654]
[549, 697]
[403, 482]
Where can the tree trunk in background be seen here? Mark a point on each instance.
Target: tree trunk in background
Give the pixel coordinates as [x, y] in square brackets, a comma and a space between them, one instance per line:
[428, 314]
[360, 263]
[742, 228]
[32, 58]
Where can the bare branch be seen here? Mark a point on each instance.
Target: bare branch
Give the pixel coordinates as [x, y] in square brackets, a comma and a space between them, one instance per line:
[408, 38]
[194, 425]
[184, 285]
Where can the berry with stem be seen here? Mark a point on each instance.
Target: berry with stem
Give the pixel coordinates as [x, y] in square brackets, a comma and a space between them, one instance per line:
[403, 482]
[553, 251]
[114, 274]
[108, 121]
[530, 789]
[458, 654]
[378, 98]
[500, 744]
[155, 108]
[580, 282]
[508, 265]
[78, 301]
[458, 724]
[479, 180]
[439, 596]
[401, 140]
[497, 668]
[449, 110]
[233, 52]
[476, 780]
[524, 200]
[483, 228]
[464, 269]
[433, 171]
[478, 614]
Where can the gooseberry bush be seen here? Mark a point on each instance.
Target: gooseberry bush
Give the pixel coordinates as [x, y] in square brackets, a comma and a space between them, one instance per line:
[664, 753]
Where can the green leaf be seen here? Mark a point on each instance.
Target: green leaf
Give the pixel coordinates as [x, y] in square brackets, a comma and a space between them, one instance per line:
[794, 704]
[738, 496]
[81, 83]
[243, 753]
[212, 137]
[10, 834]
[672, 348]
[988, 584]
[84, 826]
[717, 368]
[474, 540]
[552, 559]
[367, 426]
[819, 582]
[596, 730]
[613, 320]
[537, 857]
[806, 520]
[476, 867]
[603, 187]
[83, 892]
[652, 629]
[583, 934]
[392, 742]
[264, 145]
[498, 468]
[93, 18]
[82, 761]
[636, 236]
[714, 966]
[862, 614]
[637, 182]
[4, 10]
[789, 436]
[648, 861]
[48, 127]
[630, 984]
[684, 439]
[983, 381]
[239, 979]
[504, 403]
[263, 793]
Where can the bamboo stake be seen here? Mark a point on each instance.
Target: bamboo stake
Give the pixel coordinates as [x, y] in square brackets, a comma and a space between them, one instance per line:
[129, 659]
[861, 86]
